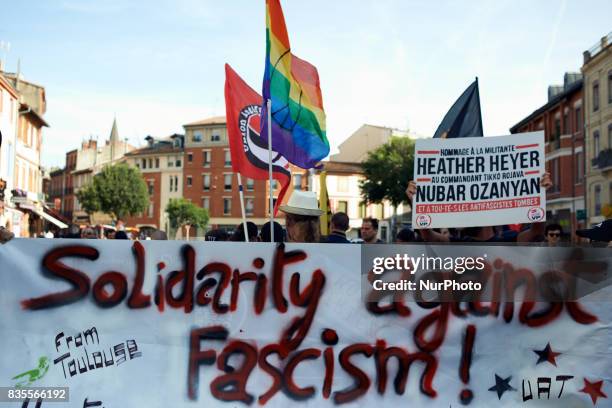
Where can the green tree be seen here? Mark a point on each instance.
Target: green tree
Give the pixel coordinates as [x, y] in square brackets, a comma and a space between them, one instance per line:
[117, 190]
[387, 171]
[182, 212]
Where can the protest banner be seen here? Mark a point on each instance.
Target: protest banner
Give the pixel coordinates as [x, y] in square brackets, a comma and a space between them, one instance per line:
[190, 324]
[479, 181]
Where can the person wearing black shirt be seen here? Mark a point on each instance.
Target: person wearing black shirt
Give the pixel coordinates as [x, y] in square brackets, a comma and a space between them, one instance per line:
[339, 225]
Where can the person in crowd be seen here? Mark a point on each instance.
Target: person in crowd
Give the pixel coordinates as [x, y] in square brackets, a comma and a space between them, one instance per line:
[488, 233]
[120, 225]
[159, 235]
[238, 235]
[110, 234]
[445, 232]
[216, 235]
[369, 231]
[405, 235]
[601, 232]
[73, 232]
[302, 217]
[265, 234]
[553, 234]
[338, 226]
[121, 235]
[89, 233]
[5, 235]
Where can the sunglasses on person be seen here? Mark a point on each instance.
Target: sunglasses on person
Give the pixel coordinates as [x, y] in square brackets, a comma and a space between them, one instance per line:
[554, 234]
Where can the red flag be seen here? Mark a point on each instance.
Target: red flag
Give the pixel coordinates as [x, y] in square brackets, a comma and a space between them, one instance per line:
[250, 151]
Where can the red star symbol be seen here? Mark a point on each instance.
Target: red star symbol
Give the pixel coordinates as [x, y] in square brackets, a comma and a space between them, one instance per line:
[594, 390]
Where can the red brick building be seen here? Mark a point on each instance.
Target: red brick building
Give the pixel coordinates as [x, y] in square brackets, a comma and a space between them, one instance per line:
[161, 165]
[61, 192]
[209, 181]
[562, 120]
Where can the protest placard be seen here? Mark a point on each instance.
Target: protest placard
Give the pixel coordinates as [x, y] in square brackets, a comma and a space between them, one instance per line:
[479, 181]
[192, 324]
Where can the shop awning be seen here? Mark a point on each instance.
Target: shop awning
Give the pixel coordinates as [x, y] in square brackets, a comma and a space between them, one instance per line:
[50, 218]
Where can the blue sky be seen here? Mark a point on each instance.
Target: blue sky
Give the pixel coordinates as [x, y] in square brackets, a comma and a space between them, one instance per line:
[158, 64]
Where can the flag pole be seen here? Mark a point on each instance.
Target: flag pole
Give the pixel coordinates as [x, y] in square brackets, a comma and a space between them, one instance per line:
[244, 223]
[269, 105]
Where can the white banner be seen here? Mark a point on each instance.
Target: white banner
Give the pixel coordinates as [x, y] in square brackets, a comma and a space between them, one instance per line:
[479, 181]
[186, 324]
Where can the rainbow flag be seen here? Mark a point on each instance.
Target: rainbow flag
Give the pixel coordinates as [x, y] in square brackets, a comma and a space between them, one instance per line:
[292, 84]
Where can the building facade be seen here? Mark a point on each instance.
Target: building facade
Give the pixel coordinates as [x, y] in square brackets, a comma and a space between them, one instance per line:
[597, 71]
[27, 194]
[160, 163]
[209, 181]
[9, 104]
[562, 120]
[61, 189]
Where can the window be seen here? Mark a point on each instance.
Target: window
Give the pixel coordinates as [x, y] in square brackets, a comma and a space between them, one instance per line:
[556, 174]
[343, 185]
[250, 183]
[378, 211]
[609, 86]
[157, 162]
[206, 158]
[579, 167]
[578, 119]
[566, 130]
[342, 207]
[170, 161]
[249, 206]
[227, 182]
[227, 206]
[144, 163]
[557, 133]
[297, 182]
[595, 144]
[597, 200]
[206, 182]
[171, 183]
[206, 203]
[189, 181]
[215, 136]
[150, 211]
[595, 96]
[150, 163]
[197, 136]
[228, 158]
[190, 157]
[151, 187]
[137, 165]
[175, 183]
[362, 210]
[178, 163]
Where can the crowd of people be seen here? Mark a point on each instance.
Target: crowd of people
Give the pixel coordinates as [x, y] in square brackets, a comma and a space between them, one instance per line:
[303, 224]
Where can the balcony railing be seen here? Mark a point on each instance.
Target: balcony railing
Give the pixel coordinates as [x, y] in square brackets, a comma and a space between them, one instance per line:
[603, 159]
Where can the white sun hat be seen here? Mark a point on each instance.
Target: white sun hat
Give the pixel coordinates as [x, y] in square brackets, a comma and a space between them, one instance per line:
[302, 203]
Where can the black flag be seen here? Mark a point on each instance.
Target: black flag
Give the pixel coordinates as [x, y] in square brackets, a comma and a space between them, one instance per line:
[464, 118]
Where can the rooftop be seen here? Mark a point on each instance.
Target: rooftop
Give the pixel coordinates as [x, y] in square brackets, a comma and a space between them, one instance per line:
[554, 100]
[215, 120]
